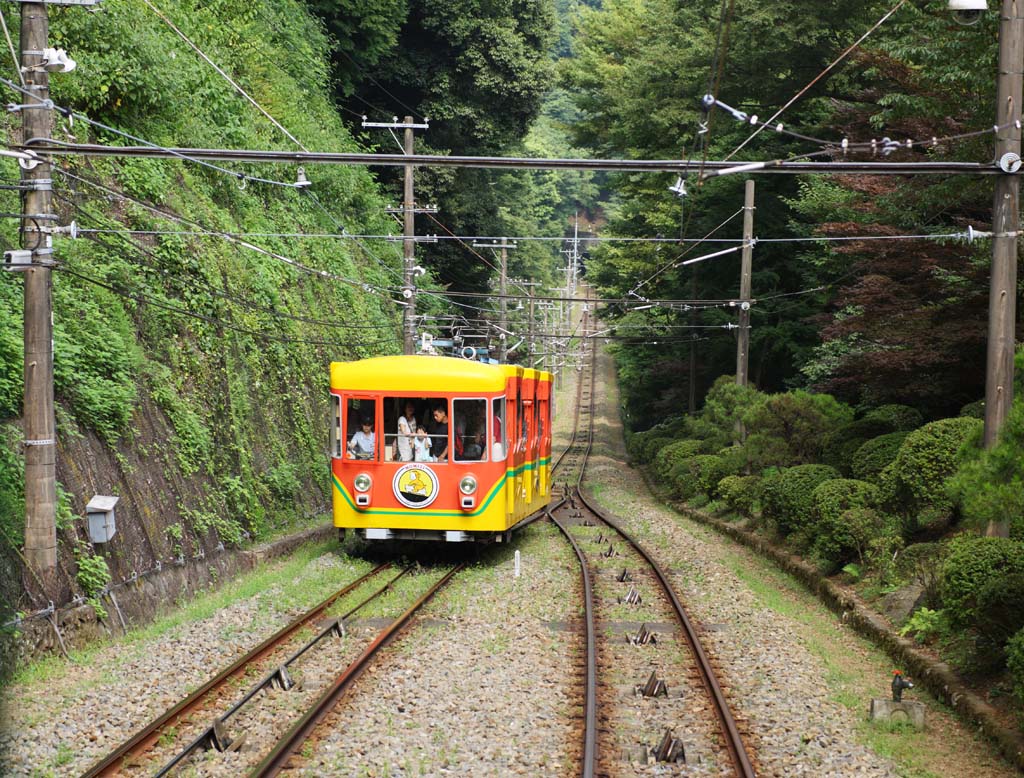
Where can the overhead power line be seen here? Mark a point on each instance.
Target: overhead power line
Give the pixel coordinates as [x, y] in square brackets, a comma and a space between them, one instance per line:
[679, 166]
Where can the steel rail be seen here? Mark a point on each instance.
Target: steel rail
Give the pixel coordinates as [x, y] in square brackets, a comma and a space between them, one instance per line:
[277, 760]
[733, 739]
[142, 740]
[679, 166]
[208, 734]
[590, 695]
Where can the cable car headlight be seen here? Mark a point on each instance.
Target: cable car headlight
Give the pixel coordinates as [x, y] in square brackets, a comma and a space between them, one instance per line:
[467, 485]
[362, 482]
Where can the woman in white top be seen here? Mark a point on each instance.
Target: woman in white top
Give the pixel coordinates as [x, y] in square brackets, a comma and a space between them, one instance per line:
[406, 429]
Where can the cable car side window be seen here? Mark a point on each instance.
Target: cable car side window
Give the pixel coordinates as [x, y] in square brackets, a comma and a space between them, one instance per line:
[498, 428]
[360, 417]
[337, 446]
[470, 425]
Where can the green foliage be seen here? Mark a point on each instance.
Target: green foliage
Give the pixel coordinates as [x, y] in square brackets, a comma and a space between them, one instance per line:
[725, 405]
[971, 565]
[1015, 663]
[856, 533]
[925, 625]
[740, 493]
[787, 495]
[872, 457]
[974, 410]
[669, 456]
[922, 562]
[92, 576]
[792, 428]
[1000, 609]
[283, 482]
[832, 498]
[929, 455]
[989, 486]
[650, 446]
[12, 487]
[892, 418]
[707, 470]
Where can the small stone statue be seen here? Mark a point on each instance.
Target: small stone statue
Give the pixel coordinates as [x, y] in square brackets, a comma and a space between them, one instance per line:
[899, 683]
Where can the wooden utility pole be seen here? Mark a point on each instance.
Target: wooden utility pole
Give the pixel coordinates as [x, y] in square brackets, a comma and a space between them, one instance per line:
[1002, 310]
[503, 247]
[37, 221]
[408, 211]
[743, 335]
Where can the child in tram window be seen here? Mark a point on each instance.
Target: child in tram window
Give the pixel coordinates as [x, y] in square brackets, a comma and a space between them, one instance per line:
[421, 446]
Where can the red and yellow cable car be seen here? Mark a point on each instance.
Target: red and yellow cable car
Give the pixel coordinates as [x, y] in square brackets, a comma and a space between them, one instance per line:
[438, 448]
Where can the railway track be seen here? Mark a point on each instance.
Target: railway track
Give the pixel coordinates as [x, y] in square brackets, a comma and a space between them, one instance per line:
[157, 749]
[575, 509]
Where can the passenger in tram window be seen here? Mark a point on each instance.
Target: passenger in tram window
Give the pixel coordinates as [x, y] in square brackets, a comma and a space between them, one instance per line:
[361, 445]
[439, 432]
[406, 429]
[421, 446]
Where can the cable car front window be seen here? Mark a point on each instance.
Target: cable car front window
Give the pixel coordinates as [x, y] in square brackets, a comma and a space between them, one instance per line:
[360, 415]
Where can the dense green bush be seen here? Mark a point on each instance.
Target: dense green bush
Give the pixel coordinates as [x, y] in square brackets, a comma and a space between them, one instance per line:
[892, 418]
[832, 498]
[725, 405]
[740, 493]
[792, 428]
[786, 495]
[872, 457]
[707, 470]
[971, 564]
[681, 481]
[674, 453]
[1000, 609]
[974, 410]
[858, 534]
[917, 476]
[989, 486]
[922, 562]
[650, 447]
[1015, 662]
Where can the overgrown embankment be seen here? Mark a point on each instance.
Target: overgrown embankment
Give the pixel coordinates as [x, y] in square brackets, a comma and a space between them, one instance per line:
[191, 367]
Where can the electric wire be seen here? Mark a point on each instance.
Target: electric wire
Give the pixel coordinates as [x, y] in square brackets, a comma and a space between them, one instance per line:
[10, 46]
[821, 75]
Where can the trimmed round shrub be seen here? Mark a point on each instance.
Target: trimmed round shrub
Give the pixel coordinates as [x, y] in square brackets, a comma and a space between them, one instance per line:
[707, 470]
[926, 459]
[974, 410]
[894, 418]
[740, 492]
[671, 455]
[874, 456]
[650, 448]
[833, 497]
[851, 535]
[971, 565]
[786, 495]
[1015, 662]
[682, 482]
[1000, 609]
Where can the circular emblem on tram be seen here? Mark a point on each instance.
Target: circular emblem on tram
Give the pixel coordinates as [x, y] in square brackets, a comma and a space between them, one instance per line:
[415, 486]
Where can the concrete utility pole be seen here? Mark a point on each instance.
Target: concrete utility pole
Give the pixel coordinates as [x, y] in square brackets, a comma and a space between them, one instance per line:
[37, 221]
[743, 339]
[409, 211]
[1002, 310]
[503, 247]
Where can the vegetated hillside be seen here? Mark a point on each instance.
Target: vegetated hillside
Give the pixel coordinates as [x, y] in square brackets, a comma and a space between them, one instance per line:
[873, 321]
[191, 370]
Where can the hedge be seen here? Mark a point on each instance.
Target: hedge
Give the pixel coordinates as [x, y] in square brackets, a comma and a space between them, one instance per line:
[971, 564]
[786, 495]
[740, 493]
[928, 456]
[671, 455]
[875, 455]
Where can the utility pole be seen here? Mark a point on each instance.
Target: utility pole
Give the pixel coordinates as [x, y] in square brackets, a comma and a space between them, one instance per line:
[409, 211]
[36, 230]
[743, 339]
[1002, 310]
[527, 286]
[504, 246]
